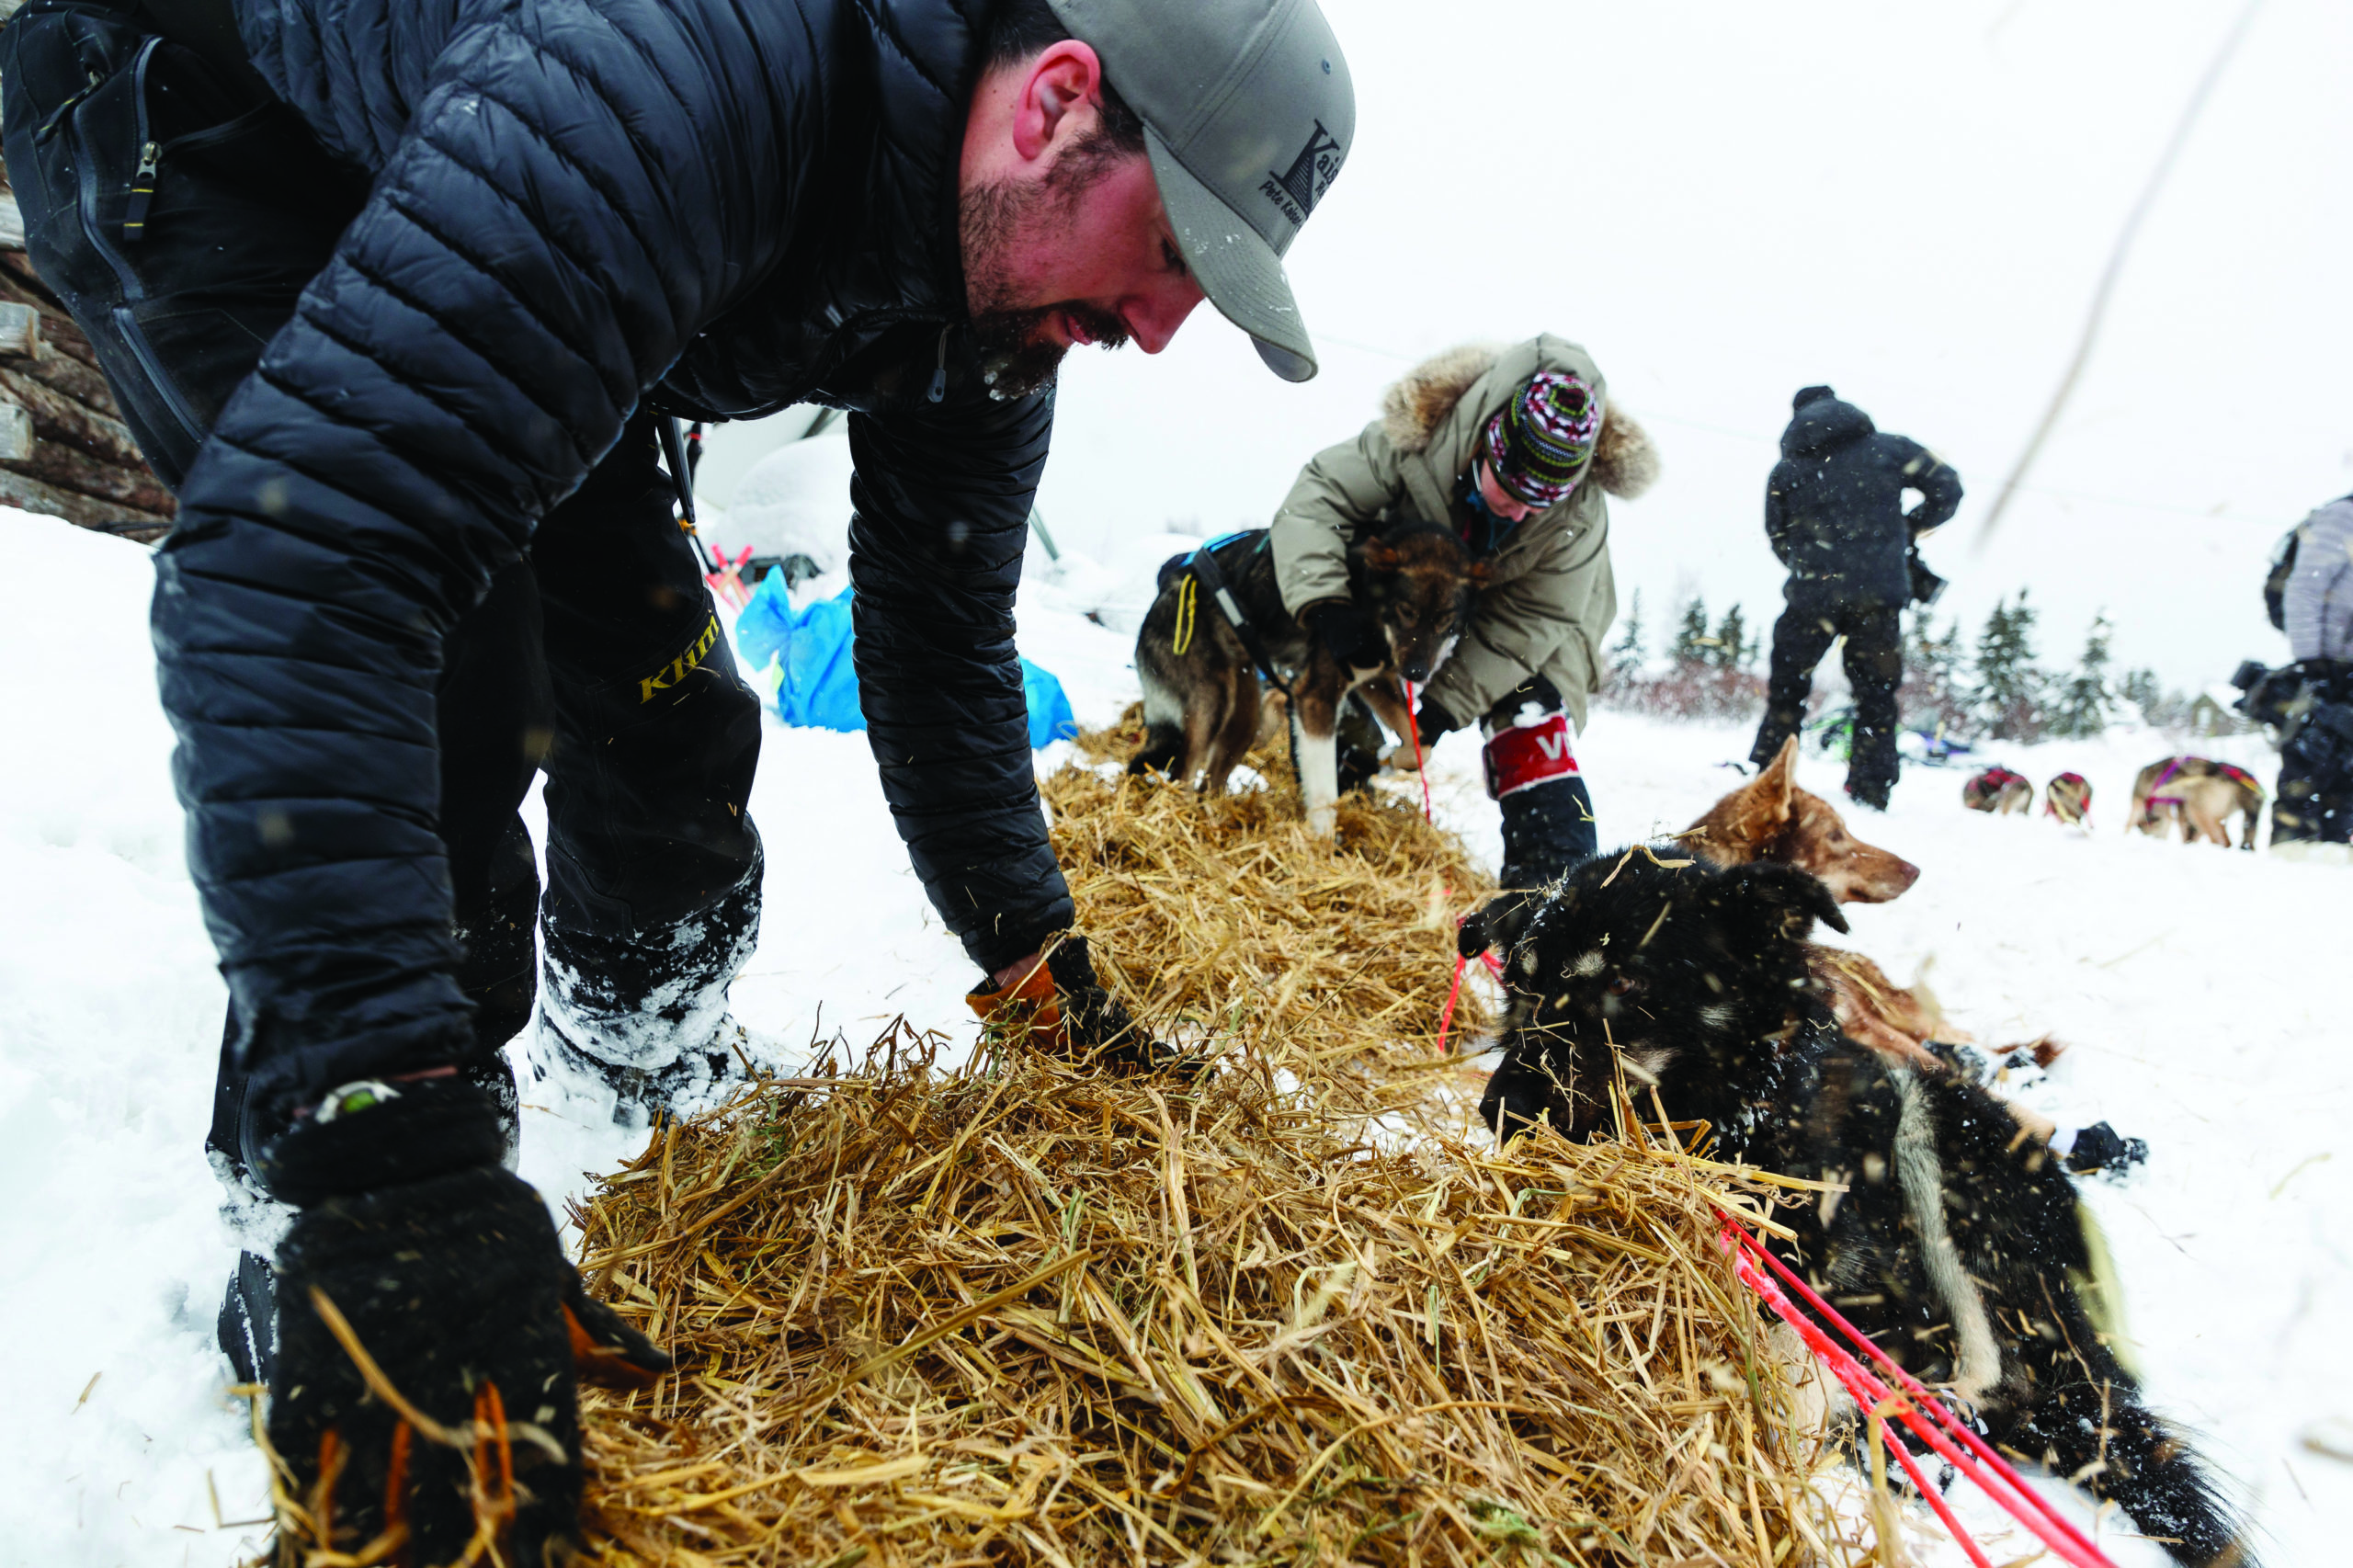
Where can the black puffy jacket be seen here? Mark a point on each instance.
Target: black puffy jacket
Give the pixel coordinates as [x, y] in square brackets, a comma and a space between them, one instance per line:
[1834, 509]
[575, 201]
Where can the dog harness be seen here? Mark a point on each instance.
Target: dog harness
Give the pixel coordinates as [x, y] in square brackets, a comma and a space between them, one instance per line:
[2051, 804]
[2174, 765]
[1996, 779]
[1201, 571]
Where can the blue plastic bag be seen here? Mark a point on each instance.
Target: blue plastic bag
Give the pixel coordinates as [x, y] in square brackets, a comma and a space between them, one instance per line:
[1051, 719]
[810, 675]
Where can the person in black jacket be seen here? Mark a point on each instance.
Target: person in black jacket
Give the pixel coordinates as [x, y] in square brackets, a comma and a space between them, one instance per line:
[1834, 511]
[397, 295]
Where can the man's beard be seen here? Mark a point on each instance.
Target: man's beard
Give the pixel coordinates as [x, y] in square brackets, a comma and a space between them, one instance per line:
[1016, 357]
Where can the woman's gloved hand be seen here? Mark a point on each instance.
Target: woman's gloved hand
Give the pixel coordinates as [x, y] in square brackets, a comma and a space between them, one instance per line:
[417, 1249]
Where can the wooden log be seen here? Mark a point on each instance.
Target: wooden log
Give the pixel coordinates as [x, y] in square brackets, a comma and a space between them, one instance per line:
[12, 222]
[66, 469]
[61, 373]
[19, 282]
[19, 331]
[16, 434]
[57, 417]
[108, 517]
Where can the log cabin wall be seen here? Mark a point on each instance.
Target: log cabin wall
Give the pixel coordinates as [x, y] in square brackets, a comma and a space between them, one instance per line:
[63, 447]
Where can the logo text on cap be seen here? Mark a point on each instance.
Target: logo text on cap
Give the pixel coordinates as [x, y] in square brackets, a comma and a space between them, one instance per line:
[1311, 174]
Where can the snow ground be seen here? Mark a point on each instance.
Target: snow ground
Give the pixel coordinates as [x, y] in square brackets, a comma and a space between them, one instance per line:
[2186, 980]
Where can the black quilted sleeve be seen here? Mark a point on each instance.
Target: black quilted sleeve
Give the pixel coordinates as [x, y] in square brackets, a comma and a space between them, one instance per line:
[942, 502]
[579, 187]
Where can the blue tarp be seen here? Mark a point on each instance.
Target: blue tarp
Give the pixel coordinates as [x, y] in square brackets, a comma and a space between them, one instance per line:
[812, 680]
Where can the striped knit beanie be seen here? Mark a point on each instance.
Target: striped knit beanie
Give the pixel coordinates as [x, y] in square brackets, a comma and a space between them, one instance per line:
[1542, 443]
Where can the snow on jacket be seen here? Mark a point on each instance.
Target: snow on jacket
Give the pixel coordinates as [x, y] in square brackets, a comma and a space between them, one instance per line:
[573, 202]
[2318, 603]
[1551, 596]
[1834, 507]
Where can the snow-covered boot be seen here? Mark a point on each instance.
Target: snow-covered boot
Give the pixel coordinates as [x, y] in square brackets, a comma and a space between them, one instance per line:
[693, 1080]
[248, 1325]
[643, 1011]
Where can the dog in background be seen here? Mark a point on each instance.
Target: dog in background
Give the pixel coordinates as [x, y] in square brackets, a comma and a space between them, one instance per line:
[2196, 794]
[2069, 798]
[1955, 1244]
[2000, 790]
[1203, 698]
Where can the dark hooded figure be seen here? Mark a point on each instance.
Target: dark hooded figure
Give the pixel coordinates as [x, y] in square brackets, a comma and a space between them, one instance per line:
[1834, 511]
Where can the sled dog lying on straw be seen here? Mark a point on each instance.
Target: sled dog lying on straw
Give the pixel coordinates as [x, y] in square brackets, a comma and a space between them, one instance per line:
[1949, 1236]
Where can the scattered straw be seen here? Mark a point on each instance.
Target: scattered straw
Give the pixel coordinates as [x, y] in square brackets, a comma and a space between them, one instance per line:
[1024, 1314]
[1224, 916]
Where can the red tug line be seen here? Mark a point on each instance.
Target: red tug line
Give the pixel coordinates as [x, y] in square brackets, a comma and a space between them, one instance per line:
[1923, 1413]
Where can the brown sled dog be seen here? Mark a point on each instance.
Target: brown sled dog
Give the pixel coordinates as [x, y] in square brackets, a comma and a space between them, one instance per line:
[1770, 818]
[1998, 791]
[2198, 793]
[1201, 690]
[2069, 798]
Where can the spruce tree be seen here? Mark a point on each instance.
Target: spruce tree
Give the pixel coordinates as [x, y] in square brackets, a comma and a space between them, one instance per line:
[2085, 703]
[2142, 691]
[2009, 687]
[1626, 655]
[1735, 649]
[1933, 698]
[1692, 642]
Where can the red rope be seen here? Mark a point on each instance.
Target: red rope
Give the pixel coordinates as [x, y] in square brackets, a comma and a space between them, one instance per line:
[1454, 992]
[1414, 728]
[1922, 1411]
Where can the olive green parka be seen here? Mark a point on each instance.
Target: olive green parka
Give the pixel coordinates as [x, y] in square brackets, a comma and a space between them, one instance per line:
[1550, 596]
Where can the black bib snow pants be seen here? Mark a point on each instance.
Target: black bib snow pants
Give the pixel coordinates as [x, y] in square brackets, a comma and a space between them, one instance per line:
[1874, 663]
[598, 660]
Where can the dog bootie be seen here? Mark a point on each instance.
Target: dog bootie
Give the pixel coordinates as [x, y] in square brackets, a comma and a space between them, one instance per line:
[2099, 1148]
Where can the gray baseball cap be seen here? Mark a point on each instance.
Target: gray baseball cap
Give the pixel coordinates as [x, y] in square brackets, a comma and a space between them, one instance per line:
[1248, 112]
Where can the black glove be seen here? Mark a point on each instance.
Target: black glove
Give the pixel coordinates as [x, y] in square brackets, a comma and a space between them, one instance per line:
[1430, 721]
[1350, 633]
[448, 1272]
[1094, 1025]
[2099, 1147]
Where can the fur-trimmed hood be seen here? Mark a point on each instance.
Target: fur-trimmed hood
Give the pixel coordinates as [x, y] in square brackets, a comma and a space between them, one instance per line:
[1625, 463]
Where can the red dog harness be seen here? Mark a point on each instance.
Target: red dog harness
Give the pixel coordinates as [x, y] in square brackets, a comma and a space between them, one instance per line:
[1993, 780]
[2051, 804]
[2229, 771]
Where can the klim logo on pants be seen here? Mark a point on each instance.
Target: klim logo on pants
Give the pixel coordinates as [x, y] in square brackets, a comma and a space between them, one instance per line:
[1522, 757]
[674, 672]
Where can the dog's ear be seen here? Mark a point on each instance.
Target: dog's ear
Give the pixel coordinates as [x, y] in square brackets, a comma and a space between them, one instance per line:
[1480, 573]
[1380, 555]
[1780, 777]
[1801, 897]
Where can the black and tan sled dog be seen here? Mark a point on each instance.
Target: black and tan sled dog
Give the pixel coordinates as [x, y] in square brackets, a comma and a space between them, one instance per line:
[1202, 693]
[1952, 1239]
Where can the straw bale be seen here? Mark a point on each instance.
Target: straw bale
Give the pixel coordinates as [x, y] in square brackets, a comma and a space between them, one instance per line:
[1026, 1314]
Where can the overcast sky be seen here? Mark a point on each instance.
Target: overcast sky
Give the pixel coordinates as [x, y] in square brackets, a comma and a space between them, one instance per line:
[1726, 201]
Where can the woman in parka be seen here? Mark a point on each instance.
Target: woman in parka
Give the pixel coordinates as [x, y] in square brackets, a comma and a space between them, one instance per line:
[1513, 448]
